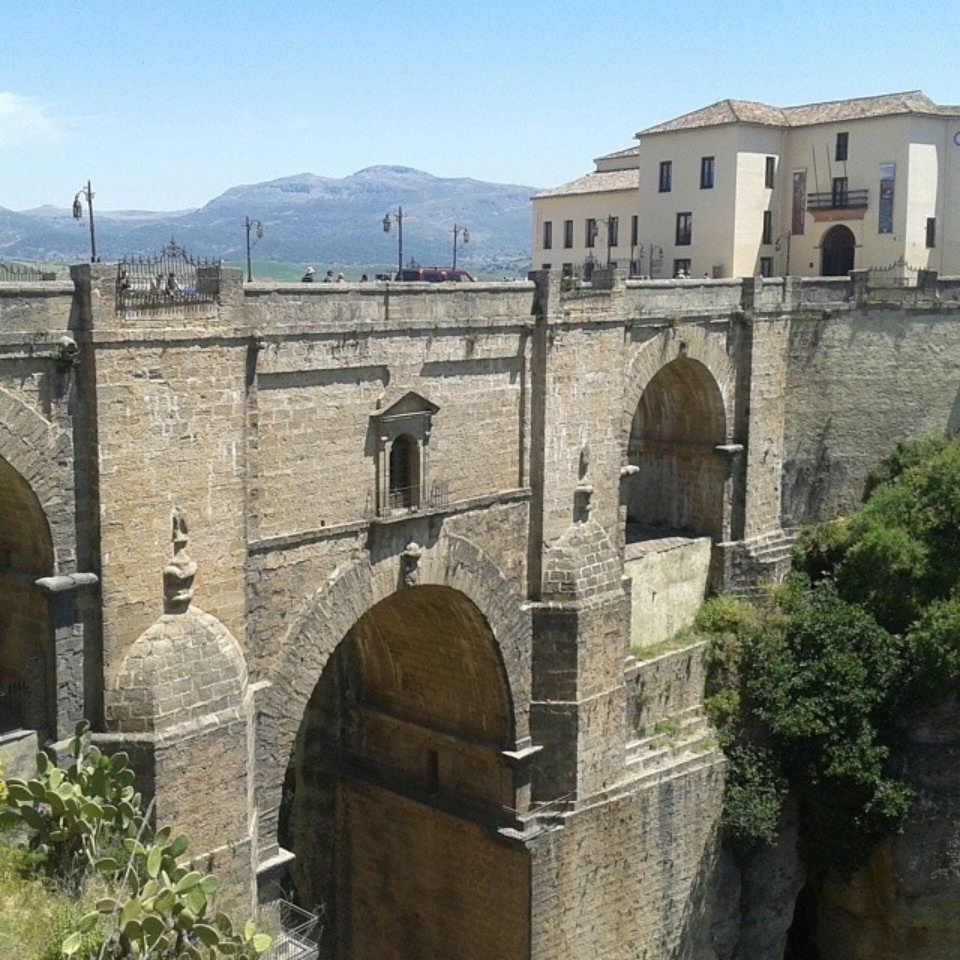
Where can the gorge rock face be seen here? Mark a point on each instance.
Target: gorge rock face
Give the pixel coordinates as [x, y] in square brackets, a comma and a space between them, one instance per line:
[903, 906]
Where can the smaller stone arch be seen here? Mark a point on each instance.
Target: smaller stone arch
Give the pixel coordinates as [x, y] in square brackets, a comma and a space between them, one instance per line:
[678, 477]
[838, 249]
[27, 668]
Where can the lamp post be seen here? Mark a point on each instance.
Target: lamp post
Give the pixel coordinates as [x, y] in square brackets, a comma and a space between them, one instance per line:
[386, 223]
[88, 194]
[257, 227]
[459, 232]
[653, 255]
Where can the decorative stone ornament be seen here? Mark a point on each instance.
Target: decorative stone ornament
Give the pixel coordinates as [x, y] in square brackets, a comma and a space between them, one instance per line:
[410, 564]
[179, 573]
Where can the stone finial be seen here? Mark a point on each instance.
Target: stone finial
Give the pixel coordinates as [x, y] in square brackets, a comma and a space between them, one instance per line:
[410, 564]
[179, 573]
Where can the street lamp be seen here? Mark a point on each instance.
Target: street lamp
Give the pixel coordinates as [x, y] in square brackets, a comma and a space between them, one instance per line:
[86, 192]
[257, 227]
[385, 223]
[653, 255]
[459, 232]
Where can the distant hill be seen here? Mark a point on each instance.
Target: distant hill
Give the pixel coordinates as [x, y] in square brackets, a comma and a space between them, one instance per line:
[306, 218]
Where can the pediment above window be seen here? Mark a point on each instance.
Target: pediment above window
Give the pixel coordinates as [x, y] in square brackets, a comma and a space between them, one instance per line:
[412, 414]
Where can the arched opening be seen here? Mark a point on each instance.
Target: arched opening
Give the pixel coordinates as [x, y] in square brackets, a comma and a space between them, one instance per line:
[679, 479]
[837, 250]
[398, 786]
[26, 645]
[802, 935]
[404, 484]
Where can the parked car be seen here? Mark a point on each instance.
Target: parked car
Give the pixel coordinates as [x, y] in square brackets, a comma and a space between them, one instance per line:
[435, 275]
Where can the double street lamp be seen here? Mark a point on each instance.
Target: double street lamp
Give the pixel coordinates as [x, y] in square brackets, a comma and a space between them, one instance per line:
[459, 232]
[257, 227]
[386, 224]
[88, 194]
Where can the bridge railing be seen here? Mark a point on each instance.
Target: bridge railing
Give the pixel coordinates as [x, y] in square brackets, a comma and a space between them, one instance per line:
[172, 278]
[21, 273]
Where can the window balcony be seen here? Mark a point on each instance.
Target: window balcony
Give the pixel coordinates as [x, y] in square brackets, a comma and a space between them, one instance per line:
[838, 200]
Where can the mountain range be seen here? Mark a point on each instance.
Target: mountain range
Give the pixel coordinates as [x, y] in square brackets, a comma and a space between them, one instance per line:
[306, 219]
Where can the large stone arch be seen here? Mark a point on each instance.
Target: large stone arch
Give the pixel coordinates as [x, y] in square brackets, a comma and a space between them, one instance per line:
[37, 542]
[405, 761]
[40, 453]
[27, 671]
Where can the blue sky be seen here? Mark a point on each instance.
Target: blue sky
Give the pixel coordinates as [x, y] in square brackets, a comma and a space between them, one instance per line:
[165, 105]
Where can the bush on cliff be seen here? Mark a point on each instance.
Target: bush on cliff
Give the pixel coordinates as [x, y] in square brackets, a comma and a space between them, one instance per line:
[809, 688]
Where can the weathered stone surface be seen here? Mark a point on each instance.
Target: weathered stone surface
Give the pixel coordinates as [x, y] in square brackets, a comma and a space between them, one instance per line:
[546, 421]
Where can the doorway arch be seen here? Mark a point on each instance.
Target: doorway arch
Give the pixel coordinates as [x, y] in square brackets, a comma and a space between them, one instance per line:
[398, 785]
[679, 479]
[837, 251]
[27, 680]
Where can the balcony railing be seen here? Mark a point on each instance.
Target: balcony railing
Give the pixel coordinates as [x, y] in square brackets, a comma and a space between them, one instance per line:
[838, 200]
[403, 500]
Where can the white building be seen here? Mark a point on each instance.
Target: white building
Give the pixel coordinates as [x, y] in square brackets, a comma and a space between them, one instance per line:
[590, 221]
[742, 188]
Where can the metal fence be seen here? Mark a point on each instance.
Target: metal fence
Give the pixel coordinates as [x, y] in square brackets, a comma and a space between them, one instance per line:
[20, 273]
[294, 931]
[897, 274]
[172, 278]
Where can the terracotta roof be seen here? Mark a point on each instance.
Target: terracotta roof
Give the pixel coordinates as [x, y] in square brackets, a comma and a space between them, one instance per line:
[833, 111]
[627, 154]
[596, 183]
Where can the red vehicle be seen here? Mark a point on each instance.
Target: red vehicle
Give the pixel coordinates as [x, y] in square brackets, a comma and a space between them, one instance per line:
[435, 275]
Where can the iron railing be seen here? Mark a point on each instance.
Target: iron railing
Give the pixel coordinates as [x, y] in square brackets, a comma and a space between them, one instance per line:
[436, 496]
[172, 278]
[838, 200]
[897, 274]
[19, 273]
[294, 931]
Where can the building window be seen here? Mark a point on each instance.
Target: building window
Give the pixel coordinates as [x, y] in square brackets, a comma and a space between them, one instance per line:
[769, 170]
[666, 176]
[590, 231]
[839, 197]
[706, 173]
[799, 212]
[634, 230]
[888, 179]
[681, 268]
[547, 234]
[684, 229]
[931, 232]
[567, 234]
[546, 266]
[613, 231]
[566, 270]
[766, 266]
[843, 146]
[767, 227]
[404, 485]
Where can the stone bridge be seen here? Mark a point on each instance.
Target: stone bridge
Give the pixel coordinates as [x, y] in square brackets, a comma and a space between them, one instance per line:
[372, 580]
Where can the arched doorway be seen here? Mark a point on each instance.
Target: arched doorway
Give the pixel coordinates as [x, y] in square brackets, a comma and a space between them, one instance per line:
[26, 645]
[837, 251]
[680, 477]
[398, 786]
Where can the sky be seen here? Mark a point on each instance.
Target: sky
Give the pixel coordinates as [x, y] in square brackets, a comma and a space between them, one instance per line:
[165, 105]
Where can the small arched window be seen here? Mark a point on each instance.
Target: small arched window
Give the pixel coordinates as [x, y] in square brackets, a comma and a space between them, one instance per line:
[404, 480]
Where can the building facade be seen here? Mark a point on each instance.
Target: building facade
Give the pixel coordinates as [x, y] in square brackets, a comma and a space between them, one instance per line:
[741, 188]
[591, 221]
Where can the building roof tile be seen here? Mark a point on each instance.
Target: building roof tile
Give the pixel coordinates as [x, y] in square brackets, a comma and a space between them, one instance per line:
[596, 183]
[833, 111]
